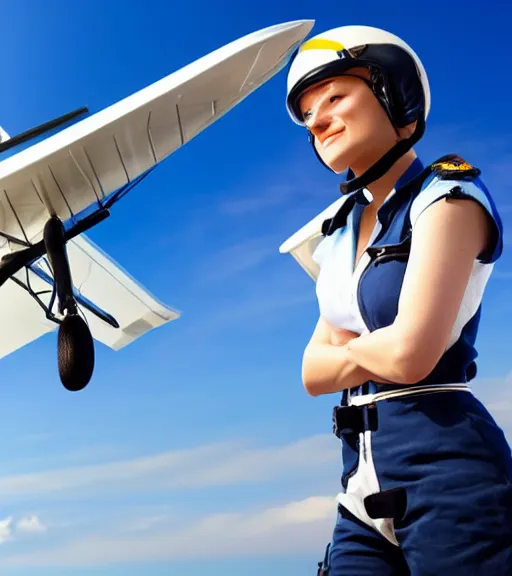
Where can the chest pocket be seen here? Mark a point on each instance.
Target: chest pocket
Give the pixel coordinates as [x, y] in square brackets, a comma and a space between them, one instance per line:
[381, 282]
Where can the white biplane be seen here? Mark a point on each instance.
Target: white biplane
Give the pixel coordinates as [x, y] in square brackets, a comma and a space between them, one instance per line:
[56, 189]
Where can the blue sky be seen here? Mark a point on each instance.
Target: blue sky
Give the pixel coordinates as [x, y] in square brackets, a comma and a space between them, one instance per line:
[196, 447]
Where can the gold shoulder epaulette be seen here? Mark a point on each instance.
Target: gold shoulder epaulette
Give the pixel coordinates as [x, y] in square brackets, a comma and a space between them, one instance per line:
[453, 167]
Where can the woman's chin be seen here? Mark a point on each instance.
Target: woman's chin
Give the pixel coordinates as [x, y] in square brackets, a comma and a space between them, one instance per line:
[337, 165]
[336, 160]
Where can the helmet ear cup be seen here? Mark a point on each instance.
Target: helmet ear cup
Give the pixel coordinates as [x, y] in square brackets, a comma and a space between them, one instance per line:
[397, 83]
[383, 92]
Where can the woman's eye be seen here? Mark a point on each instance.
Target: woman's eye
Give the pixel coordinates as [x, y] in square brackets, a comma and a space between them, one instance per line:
[334, 98]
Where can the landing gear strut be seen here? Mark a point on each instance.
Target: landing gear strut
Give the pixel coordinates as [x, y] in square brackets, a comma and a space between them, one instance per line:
[75, 346]
[75, 343]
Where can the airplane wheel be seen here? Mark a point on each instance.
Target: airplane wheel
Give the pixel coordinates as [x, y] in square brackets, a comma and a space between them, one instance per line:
[75, 353]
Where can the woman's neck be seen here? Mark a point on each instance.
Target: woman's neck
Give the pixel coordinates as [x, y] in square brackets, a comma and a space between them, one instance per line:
[381, 188]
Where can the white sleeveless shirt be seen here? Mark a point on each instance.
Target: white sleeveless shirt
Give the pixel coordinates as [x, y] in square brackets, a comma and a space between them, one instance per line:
[338, 279]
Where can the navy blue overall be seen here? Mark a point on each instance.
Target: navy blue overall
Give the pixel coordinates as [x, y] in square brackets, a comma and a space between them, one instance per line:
[427, 478]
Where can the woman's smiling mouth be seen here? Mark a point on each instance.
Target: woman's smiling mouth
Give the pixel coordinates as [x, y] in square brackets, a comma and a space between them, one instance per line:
[330, 139]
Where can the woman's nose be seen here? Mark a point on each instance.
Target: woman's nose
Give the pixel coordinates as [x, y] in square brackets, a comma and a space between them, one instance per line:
[318, 120]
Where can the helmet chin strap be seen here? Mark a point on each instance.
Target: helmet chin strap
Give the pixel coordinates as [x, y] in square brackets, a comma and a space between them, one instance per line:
[385, 163]
[382, 165]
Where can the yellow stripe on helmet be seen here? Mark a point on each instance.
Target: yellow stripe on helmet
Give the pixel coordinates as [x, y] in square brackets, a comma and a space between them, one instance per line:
[321, 44]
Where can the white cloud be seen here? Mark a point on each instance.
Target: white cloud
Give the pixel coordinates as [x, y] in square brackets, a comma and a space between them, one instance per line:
[27, 525]
[300, 527]
[30, 525]
[146, 523]
[204, 466]
[5, 529]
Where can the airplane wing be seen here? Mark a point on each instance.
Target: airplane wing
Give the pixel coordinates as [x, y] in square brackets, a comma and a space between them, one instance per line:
[84, 164]
[90, 164]
[302, 244]
[100, 284]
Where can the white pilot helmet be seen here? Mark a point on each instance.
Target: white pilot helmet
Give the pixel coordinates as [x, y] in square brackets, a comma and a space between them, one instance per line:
[397, 77]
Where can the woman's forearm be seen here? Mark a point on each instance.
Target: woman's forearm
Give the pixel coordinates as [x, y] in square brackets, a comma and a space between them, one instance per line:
[391, 351]
[327, 369]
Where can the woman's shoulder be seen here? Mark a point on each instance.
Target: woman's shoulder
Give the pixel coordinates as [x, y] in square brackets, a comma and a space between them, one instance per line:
[453, 178]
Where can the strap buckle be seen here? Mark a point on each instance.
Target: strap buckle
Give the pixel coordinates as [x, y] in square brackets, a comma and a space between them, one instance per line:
[351, 419]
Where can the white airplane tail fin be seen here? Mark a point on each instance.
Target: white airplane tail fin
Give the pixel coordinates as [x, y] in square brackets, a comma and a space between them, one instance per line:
[302, 244]
[3, 135]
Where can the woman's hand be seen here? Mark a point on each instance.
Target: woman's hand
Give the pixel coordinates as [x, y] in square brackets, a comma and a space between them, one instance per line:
[341, 337]
[326, 366]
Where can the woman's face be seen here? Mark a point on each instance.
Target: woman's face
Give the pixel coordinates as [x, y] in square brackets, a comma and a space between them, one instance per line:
[350, 127]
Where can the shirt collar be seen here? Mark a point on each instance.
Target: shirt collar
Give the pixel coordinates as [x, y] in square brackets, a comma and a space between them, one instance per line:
[364, 197]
